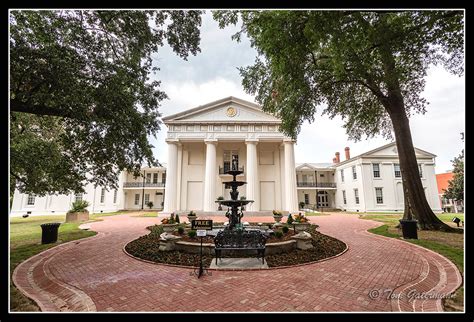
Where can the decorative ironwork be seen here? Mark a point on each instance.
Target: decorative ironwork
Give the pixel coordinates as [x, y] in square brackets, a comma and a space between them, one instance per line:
[240, 240]
[141, 185]
[317, 184]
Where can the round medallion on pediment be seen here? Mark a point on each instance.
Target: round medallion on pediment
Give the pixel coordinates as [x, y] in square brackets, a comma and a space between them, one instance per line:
[231, 111]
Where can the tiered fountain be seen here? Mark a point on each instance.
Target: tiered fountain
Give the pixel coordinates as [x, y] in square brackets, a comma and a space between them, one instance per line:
[235, 214]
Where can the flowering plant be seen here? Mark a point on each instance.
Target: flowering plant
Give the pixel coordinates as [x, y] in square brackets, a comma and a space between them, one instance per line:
[170, 220]
[299, 218]
[277, 213]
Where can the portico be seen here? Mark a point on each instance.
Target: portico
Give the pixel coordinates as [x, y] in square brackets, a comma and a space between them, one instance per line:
[203, 141]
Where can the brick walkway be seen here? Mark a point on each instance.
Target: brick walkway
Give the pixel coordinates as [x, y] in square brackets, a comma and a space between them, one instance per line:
[95, 274]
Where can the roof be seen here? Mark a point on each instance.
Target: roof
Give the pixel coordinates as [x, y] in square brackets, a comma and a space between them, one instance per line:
[442, 180]
[210, 105]
[368, 153]
[315, 165]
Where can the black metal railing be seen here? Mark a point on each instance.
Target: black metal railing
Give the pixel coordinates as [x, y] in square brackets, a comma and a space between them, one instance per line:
[224, 169]
[141, 184]
[317, 184]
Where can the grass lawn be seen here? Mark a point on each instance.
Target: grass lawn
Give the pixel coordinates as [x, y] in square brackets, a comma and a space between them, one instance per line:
[25, 241]
[311, 213]
[147, 214]
[450, 245]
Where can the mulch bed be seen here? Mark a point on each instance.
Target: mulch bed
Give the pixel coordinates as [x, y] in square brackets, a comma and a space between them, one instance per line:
[147, 247]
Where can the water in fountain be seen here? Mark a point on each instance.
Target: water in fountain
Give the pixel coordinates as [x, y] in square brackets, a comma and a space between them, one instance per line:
[235, 213]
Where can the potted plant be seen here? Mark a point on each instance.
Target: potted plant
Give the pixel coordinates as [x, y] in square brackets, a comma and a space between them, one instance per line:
[302, 204]
[78, 212]
[220, 205]
[300, 223]
[169, 224]
[149, 204]
[277, 215]
[192, 216]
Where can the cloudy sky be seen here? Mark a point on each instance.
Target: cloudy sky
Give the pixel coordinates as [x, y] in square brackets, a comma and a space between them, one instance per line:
[213, 74]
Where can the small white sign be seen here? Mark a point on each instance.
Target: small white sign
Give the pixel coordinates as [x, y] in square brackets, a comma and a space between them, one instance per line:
[201, 233]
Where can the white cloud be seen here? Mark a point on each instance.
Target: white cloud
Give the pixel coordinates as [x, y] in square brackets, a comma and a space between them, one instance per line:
[212, 75]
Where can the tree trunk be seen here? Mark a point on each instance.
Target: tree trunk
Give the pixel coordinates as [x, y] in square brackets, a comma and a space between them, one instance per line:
[415, 198]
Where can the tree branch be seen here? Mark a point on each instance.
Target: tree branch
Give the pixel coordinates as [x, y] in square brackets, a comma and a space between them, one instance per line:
[17, 106]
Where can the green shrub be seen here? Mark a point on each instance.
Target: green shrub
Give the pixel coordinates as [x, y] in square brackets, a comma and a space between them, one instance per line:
[290, 219]
[176, 218]
[149, 204]
[278, 234]
[79, 206]
[180, 230]
[192, 233]
[285, 229]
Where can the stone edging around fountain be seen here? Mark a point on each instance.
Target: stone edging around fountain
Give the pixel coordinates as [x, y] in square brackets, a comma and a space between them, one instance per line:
[233, 269]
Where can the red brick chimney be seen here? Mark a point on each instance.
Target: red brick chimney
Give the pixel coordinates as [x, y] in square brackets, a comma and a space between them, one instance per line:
[334, 160]
[348, 153]
[337, 157]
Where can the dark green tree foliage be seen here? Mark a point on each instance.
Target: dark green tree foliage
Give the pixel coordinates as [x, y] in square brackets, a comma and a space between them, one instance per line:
[367, 67]
[81, 97]
[456, 184]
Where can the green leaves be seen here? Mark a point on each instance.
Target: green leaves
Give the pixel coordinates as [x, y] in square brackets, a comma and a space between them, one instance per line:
[455, 189]
[89, 71]
[347, 63]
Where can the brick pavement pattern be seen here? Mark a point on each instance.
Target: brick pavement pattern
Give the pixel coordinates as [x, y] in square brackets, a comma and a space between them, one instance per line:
[376, 274]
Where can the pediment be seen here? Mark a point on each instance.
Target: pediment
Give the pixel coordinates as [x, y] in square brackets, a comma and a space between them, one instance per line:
[390, 150]
[304, 167]
[224, 111]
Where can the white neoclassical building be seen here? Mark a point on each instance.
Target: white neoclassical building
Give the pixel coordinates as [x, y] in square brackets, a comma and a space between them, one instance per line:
[203, 141]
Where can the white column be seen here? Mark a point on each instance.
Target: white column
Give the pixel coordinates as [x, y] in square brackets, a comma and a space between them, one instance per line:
[282, 177]
[251, 173]
[291, 201]
[171, 177]
[179, 176]
[210, 176]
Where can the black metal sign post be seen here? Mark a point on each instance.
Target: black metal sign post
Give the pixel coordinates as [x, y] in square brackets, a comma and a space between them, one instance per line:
[201, 226]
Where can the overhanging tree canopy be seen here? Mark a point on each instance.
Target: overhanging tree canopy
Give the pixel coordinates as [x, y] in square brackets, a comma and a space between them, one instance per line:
[367, 67]
[81, 98]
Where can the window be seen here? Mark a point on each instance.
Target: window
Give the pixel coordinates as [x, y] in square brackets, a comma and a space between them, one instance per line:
[115, 196]
[31, 200]
[376, 169]
[396, 168]
[305, 178]
[379, 195]
[229, 156]
[102, 195]
[344, 197]
[306, 198]
[342, 175]
[155, 177]
[147, 198]
[148, 178]
[137, 198]
[78, 197]
[354, 173]
[421, 170]
[163, 177]
[356, 195]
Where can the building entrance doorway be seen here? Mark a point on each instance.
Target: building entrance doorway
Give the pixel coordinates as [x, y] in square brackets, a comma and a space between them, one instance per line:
[323, 199]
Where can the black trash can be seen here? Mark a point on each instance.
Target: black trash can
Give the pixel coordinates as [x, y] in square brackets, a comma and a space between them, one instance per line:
[409, 228]
[49, 232]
